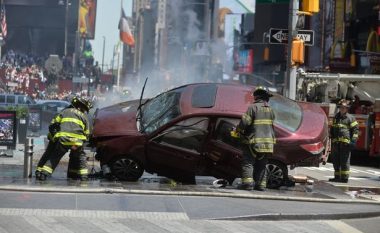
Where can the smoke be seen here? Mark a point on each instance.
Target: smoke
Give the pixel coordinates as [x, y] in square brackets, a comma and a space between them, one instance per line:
[183, 52]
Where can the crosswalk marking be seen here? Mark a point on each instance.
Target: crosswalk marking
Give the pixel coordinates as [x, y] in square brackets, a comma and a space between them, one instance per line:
[94, 213]
[342, 227]
[351, 178]
[352, 170]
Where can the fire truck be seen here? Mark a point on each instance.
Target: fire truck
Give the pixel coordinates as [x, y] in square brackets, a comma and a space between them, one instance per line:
[363, 90]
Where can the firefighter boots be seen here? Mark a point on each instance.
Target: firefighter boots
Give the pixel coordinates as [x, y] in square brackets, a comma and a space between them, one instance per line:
[246, 186]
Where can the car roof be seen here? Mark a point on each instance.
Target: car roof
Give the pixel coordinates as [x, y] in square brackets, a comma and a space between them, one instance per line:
[226, 99]
[51, 101]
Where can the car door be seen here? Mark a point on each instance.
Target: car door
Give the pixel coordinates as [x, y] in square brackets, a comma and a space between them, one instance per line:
[223, 152]
[177, 150]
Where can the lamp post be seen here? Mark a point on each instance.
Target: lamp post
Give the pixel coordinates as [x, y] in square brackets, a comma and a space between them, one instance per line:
[104, 45]
[66, 19]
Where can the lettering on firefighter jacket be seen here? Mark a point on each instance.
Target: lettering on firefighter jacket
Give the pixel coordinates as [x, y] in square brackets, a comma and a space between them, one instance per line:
[72, 127]
[344, 128]
[256, 127]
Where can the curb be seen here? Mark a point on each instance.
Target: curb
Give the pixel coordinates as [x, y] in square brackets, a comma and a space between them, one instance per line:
[180, 193]
[302, 217]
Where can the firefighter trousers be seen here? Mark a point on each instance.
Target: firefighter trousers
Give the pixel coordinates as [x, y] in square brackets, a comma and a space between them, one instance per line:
[341, 153]
[253, 167]
[54, 152]
[77, 167]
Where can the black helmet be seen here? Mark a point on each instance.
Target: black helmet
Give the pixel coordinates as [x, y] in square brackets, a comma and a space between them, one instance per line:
[261, 91]
[80, 102]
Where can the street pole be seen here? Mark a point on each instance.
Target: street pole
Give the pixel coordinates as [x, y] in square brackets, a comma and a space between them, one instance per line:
[113, 64]
[291, 73]
[66, 19]
[118, 65]
[104, 45]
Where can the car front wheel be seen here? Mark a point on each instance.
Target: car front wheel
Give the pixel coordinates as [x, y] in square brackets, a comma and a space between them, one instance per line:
[127, 169]
[277, 173]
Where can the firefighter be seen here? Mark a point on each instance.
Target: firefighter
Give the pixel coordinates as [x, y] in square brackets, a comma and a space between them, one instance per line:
[68, 131]
[257, 134]
[344, 134]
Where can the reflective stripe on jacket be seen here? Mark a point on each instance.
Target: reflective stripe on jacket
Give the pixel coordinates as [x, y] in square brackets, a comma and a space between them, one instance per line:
[256, 126]
[344, 129]
[74, 127]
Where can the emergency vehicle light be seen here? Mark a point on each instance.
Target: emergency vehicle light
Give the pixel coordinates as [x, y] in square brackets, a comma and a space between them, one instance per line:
[314, 148]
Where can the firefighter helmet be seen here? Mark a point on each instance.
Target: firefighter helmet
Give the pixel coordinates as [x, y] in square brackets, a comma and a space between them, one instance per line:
[262, 92]
[344, 103]
[80, 102]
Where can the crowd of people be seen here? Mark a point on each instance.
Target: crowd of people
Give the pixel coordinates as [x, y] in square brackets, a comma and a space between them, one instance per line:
[22, 72]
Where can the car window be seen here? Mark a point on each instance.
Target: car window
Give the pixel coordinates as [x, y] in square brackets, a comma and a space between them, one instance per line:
[2, 98]
[223, 131]
[51, 107]
[188, 134]
[11, 99]
[29, 100]
[21, 99]
[287, 113]
[161, 110]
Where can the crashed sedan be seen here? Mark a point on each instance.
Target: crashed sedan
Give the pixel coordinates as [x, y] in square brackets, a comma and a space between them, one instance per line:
[185, 132]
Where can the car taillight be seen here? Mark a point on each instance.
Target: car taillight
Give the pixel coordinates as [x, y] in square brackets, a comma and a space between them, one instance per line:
[314, 148]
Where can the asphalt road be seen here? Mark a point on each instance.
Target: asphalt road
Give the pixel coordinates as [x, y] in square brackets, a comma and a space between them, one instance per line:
[78, 212]
[363, 180]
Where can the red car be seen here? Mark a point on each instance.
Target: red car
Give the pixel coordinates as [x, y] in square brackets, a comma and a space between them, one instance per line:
[185, 132]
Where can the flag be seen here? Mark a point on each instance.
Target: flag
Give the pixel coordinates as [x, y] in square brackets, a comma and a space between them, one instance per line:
[3, 22]
[125, 32]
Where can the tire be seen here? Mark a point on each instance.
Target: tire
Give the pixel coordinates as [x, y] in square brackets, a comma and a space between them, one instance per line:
[127, 168]
[277, 174]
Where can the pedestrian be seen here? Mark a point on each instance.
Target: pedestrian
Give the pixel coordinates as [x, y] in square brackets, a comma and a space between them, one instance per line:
[257, 134]
[344, 133]
[67, 131]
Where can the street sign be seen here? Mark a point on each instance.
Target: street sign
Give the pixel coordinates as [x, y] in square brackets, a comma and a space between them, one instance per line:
[280, 36]
[80, 80]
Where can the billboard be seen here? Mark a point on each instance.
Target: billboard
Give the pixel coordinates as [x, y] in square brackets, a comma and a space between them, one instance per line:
[8, 130]
[244, 61]
[86, 18]
[34, 119]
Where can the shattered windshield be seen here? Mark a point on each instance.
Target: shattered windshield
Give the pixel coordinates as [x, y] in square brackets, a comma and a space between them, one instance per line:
[161, 110]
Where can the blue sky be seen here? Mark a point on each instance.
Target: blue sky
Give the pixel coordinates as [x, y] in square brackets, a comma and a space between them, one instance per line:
[107, 20]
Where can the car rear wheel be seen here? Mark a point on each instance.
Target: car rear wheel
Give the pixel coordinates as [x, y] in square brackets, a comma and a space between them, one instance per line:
[277, 173]
[127, 168]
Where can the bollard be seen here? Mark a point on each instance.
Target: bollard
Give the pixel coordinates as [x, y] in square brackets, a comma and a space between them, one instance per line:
[28, 158]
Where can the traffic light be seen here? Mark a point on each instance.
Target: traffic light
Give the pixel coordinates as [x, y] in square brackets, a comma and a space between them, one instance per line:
[310, 6]
[266, 54]
[298, 51]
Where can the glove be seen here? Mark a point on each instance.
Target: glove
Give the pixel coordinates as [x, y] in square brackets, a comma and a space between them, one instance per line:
[234, 133]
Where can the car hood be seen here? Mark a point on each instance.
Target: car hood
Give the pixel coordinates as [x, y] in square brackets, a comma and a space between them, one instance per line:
[116, 120]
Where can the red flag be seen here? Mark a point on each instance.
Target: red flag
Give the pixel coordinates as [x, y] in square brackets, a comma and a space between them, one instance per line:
[3, 22]
[125, 32]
